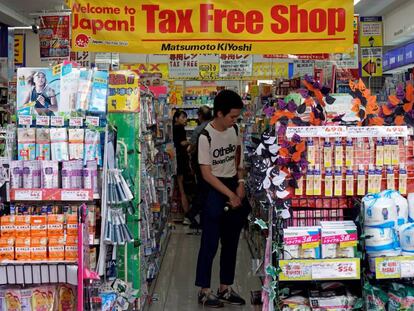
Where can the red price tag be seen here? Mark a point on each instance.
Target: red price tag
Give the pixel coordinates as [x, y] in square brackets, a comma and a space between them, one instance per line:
[57, 121]
[25, 120]
[92, 121]
[28, 195]
[76, 121]
[43, 120]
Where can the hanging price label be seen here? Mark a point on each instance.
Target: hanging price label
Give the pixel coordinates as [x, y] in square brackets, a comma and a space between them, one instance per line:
[94, 121]
[43, 120]
[25, 120]
[57, 121]
[77, 121]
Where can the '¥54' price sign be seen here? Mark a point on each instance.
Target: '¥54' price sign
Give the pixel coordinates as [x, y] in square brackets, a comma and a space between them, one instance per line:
[343, 269]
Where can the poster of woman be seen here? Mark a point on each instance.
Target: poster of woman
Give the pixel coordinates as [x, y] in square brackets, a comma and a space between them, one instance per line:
[37, 91]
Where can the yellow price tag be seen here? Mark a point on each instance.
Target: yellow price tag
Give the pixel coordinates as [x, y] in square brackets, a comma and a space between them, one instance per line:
[348, 244]
[310, 245]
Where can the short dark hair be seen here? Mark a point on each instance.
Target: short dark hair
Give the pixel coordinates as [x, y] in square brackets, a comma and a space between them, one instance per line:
[177, 114]
[225, 101]
[205, 113]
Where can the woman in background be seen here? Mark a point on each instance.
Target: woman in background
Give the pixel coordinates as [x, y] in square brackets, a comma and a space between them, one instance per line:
[43, 96]
[183, 160]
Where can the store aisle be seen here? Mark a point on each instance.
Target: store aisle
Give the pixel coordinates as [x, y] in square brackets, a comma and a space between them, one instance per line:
[175, 288]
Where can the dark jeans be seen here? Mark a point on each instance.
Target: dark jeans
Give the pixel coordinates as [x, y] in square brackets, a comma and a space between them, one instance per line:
[199, 198]
[219, 225]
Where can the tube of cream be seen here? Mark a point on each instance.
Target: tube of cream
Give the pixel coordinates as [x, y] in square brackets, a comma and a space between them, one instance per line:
[390, 178]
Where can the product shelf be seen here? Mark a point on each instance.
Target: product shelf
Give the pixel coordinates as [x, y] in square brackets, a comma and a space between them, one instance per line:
[320, 269]
[64, 195]
[394, 267]
[38, 272]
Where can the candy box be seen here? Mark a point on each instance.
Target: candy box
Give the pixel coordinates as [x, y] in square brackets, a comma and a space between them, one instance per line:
[57, 247]
[55, 225]
[71, 248]
[22, 248]
[72, 224]
[22, 226]
[301, 243]
[7, 226]
[7, 248]
[38, 248]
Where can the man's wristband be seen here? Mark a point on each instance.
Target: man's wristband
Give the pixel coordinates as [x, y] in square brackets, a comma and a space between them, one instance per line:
[241, 181]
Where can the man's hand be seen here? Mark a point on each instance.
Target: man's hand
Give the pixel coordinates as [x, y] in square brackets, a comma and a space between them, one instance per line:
[234, 200]
[241, 192]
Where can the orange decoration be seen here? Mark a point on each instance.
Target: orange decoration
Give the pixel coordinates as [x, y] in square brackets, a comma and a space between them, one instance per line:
[393, 100]
[376, 121]
[399, 120]
[409, 93]
[387, 111]
[408, 107]
[301, 147]
[296, 156]
[283, 152]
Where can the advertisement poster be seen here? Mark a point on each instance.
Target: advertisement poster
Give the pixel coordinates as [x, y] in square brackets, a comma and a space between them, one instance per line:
[235, 65]
[123, 93]
[38, 91]
[371, 42]
[19, 50]
[54, 37]
[213, 27]
[183, 66]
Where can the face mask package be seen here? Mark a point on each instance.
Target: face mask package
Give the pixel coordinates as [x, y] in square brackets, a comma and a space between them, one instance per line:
[42, 144]
[16, 174]
[59, 138]
[84, 90]
[339, 239]
[26, 138]
[301, 243]
[50, 174]
[69, 88]
[98, 100]
[92, 147]
[76, 146]
[31, 174]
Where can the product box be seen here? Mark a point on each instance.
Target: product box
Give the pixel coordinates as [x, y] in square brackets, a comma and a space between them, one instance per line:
[56, 248]
[71, 248]
[7, 226]
[55, 225]
[72, 224]
[38, 248]
[22, 226]
[301, 243]
[38, 226]
[6, 248]
[339, 239]
[22, 248]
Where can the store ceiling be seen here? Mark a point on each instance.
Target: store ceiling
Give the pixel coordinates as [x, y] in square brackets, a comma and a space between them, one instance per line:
[377, 7]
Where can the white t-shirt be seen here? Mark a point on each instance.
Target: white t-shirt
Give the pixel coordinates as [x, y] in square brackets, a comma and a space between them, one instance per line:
[221, 153]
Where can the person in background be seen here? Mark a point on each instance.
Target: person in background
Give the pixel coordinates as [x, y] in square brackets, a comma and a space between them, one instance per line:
[225, 210]
[204, 117]
[183, 160]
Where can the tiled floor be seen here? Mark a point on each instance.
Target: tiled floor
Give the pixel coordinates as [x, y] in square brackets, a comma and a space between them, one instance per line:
[175, 290]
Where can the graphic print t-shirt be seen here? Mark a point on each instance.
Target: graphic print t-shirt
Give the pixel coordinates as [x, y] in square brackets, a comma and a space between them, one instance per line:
[221, 153]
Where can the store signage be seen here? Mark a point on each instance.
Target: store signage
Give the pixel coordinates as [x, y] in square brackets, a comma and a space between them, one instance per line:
[300, 56]
[54, 37]
[82, 58]
[303, 67]
[213, 27]
[183, 66]
[371, 61]
[25, 120]
[19, 50]
[235, 65]
[76, 121]
[57, 121]
[409, 54]
[124, 92]
[371, 46]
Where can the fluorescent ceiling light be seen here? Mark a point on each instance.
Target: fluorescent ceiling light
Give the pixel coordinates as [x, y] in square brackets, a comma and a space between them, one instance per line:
[356, 2]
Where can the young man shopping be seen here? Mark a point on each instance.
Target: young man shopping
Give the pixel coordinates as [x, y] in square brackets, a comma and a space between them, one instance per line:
[224, 213]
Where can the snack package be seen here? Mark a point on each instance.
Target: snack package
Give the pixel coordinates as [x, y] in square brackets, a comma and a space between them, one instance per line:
[26, 298]
[59, 143]
[7, 226]
[296, 303]
[71, 248]
[72, 225]
[108, 301]
[42, 144]
[76, 146]
[55, 225]
[7, 248]
[22, 247]
[13, 300]
[16, 174]
[66, 298]
[38, 226]
[22, 226]
[57, 247]
[38, 248]
[26, 149]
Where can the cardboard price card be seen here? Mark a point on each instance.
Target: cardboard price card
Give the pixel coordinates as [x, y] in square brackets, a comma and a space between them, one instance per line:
[295, 270]
[387, 268]
[340, 269]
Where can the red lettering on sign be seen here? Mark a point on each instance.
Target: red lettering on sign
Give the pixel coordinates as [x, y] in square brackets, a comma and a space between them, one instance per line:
[169, 21]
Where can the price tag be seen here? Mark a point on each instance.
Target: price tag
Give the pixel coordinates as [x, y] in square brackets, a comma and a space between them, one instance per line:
[334, 270]
[25, 120]
[43, 120]
[77, 121]
[28, 195]
[94, 121]
[407, 268]
[295, 270]
[57, 121]
[75, 195]
[302, 131]
[387, 268]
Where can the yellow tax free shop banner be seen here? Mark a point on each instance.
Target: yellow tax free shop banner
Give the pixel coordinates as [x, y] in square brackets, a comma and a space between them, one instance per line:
[213, 27]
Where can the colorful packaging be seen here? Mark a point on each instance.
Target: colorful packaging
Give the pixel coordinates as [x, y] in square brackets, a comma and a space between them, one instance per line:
[38, 226]
[390, 178]
[71, 248]
[328, 183]
[69, 88]
[22, 226]
[59, 143]
[395, 152]
[309, 181]
[92, 167]
[13, 300]
[7, 226]
[50, 174]
[57, 248]
[76, 146]
[361, 183]
[38, 248]
[77, 173]
[26, 138]
[72, 225]
[43, 298]
[338, 182]
[98, 101]
[22, 248]
[6, 248]
[16, 174]
[387, 152]
[339, 152]
[402, 180]
[379, 158]
[311, 152]
[66, 174]
[67, 298]
[42, 144]
[84, 90]
[349, 182]
[92, 146]
[349, 153]
[55, 225]
[317, 181]
[302, 243]
[375, 298]
[327, 153]
[339, 239]
[108, 301]
[31, 174]
[26, 295]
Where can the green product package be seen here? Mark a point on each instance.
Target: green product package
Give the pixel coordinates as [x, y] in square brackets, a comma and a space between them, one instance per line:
[375, 298]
